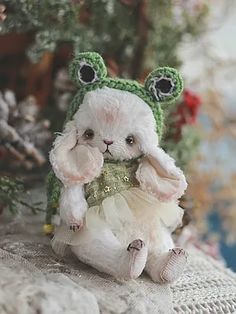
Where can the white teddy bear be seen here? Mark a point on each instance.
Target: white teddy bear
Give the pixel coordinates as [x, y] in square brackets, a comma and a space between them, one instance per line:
[119, 196]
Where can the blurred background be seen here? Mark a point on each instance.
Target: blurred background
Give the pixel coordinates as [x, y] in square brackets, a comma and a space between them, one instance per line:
[38, 40]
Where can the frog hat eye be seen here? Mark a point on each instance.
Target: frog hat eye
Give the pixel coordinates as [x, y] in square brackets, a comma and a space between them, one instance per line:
[165, 84]
[86, 73]
[87, 68]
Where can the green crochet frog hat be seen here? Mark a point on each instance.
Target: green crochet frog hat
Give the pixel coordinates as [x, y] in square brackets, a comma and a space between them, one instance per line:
[89, 72]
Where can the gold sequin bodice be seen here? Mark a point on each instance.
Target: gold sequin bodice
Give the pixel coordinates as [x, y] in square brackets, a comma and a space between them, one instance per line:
[116, 176]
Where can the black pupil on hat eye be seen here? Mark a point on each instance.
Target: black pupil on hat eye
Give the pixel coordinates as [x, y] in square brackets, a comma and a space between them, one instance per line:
[87, 73]
[163, 85]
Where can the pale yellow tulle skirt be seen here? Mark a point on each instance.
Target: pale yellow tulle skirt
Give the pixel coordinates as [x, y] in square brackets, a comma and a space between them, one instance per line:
[130, 214]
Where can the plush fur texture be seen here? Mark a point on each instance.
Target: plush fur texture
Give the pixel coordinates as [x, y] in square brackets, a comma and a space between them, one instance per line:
[111, 116]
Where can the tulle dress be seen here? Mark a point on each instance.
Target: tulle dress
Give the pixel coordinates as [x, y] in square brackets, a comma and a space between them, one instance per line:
[116, 202]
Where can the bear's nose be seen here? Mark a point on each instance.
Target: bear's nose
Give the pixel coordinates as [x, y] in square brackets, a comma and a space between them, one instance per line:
[108, 142]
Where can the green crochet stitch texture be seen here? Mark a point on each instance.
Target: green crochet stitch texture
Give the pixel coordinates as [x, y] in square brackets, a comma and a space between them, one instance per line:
[88, 71]
[114, 178]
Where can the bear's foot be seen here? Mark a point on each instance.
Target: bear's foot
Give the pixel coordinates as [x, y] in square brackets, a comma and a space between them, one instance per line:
[137, 258]
[174, 265]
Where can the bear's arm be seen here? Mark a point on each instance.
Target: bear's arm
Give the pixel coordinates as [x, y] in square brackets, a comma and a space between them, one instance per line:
[72, 204]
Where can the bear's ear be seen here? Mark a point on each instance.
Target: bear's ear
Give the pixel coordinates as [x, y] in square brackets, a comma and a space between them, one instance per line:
[87, 68]
[165, 84]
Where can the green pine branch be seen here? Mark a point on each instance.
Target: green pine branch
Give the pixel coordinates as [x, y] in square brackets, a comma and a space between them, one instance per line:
[11, 196]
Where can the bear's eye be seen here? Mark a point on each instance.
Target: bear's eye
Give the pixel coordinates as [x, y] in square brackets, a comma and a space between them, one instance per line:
[88, 134]
[130, 140]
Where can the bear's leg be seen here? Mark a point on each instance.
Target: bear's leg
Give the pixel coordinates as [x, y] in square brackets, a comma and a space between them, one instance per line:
[166, 267]
[103, 251]
[165, 263]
